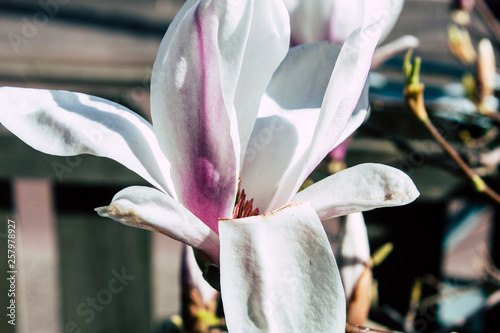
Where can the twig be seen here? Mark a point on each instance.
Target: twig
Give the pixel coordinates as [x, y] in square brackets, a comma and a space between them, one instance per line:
[401, 143]
[350, 328]
[489, 18]
[414, 95]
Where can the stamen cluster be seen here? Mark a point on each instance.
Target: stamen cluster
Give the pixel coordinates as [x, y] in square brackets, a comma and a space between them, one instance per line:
[243, 207]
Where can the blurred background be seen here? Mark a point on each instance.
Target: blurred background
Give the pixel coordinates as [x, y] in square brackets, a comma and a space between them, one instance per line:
[69, 260]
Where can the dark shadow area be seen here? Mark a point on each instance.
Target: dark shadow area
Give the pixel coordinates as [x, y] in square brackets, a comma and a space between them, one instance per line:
[71, 198]
[416, 231]
[5, 195]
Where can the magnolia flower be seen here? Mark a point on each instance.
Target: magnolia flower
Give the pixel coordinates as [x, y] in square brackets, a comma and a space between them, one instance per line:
[235, 118]
[334, 20]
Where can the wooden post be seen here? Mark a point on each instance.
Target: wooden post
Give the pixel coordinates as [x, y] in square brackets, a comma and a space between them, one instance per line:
[36, 256]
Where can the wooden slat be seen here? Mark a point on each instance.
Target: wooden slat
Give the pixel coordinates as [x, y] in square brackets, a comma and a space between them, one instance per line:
[429, 21]
[105, 275]
[142, 15]
[124, 74]
[19, 160]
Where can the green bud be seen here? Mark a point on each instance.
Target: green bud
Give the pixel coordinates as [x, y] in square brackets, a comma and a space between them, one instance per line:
[415, 73]
[208, 317]
[407, 66]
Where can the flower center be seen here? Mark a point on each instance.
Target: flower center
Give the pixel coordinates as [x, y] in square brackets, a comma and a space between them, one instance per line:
[243, 207]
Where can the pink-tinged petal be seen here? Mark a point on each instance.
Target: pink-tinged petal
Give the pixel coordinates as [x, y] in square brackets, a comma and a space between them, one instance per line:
[339, 153]
[146, 208]
[347, 16]
[278, 274]
[309, 20]
[190, 114]
[388, 50]
[253, 42]
[287, 120]
[267, 45]
[466, 5]
[359, 188]
[66, 123]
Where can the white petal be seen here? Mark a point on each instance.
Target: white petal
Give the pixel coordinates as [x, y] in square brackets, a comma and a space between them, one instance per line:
[349, 240]
[309, 20]
[271, 151]
[355, 252]
[347, 16]
[344, 89]
[358, 116]
[278, 274]
[267, 45]
[67, 123]
[359, 188]
[341, 97]
[288, 117]
[311, 135]
[390, 10]
[147, 208]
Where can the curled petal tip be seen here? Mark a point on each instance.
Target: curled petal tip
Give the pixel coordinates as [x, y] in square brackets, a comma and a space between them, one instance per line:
[147, 208]
[102, 211]
[402, 197]
[411, 41]
[364, 187]
[414, 192]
